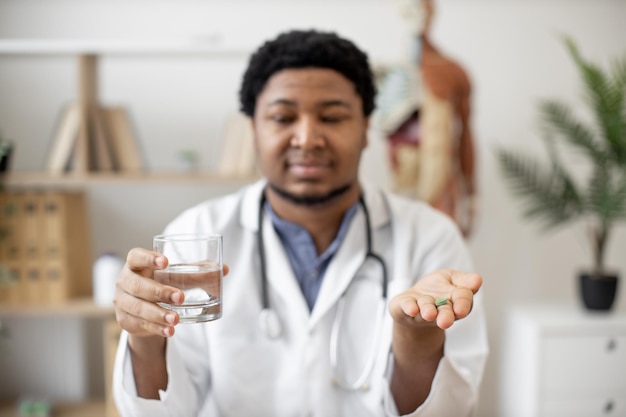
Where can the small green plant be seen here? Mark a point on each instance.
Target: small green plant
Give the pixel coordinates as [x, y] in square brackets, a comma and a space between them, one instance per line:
[552, 195]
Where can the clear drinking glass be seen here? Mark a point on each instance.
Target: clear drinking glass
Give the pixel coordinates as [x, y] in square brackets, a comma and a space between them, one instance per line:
[195, 266]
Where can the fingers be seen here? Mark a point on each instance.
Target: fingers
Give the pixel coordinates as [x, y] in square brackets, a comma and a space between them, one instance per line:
[462, 301]
[143, 260]
[412, 307]
[420, 310]
[136, 310]
[445, 315]
[417, 305]
[147, 289]
[142, 318]
[468, 280]
[136, 295]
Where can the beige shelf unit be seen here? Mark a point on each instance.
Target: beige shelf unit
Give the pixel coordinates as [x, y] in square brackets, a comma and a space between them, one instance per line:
[87, 54]
[90, 149]
[80, 307]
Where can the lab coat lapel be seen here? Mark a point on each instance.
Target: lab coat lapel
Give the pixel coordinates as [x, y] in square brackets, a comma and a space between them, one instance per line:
[342, 268]
[351, 254]
[280, 277]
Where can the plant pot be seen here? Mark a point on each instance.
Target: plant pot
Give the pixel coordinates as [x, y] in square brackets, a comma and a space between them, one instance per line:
[598, 290]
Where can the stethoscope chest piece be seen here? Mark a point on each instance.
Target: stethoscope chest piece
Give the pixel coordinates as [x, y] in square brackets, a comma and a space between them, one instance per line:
[269, 324]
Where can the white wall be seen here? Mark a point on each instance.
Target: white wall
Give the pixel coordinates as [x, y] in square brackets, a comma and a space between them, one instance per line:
[510, 49]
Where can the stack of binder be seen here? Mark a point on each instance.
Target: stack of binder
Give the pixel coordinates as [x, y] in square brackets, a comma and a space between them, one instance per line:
[45, 248]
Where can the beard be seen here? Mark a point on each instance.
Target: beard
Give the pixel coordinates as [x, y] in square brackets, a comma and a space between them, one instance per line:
[310, 200]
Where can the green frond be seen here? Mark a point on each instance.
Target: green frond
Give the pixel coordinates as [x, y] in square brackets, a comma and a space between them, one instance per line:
[606, 98]
[606, 195]
[549, 196]
[621, 196]
[618, 73]
[558, 117]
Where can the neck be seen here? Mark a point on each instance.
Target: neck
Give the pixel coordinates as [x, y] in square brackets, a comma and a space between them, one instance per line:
[322, 221]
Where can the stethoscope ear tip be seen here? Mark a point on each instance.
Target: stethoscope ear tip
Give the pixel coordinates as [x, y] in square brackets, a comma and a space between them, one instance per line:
[269, 324]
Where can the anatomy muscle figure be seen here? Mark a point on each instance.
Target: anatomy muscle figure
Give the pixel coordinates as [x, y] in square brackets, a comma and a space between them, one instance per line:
[425, 114]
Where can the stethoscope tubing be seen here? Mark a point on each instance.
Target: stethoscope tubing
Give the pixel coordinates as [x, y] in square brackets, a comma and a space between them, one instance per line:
[270, 323]
[368, 254]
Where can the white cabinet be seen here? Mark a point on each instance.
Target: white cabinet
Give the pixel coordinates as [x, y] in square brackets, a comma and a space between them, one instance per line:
[563, 361]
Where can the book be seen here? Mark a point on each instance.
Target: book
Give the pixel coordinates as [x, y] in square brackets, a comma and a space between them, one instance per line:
[67, 256]
[9, 267]
[79, 160]
[64, 141]
[237, 156]
[127, 155]
[30, 207]
[101, 150]
[47, 248]
[14, 247]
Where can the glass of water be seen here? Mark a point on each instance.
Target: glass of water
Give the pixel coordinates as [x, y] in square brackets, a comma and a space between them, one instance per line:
[194, 266]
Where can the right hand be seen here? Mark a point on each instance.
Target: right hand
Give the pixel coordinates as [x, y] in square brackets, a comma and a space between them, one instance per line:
[136, 295]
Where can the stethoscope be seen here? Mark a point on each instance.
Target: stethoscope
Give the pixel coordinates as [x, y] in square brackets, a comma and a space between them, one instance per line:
[270, 324]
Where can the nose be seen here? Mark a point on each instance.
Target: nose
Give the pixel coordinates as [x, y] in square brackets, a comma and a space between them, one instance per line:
[307, 134]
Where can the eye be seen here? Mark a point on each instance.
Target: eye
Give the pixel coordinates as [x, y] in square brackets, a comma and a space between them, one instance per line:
[333, 118]
[282, 119]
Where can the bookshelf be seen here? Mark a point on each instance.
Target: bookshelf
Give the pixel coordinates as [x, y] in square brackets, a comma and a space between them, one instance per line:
[92, 315]
[82, 313]
[94, 138]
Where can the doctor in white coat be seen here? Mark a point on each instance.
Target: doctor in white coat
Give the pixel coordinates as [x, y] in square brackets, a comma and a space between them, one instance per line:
[329, 306]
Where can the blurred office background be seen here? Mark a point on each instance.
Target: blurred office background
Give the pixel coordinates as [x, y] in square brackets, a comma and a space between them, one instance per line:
[181, 101]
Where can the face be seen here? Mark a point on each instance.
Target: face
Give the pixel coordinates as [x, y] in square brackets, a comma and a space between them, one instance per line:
[310, 131]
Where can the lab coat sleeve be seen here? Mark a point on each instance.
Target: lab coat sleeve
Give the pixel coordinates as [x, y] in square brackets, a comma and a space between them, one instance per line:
[182, 396]
[454, 390]
[455, 387]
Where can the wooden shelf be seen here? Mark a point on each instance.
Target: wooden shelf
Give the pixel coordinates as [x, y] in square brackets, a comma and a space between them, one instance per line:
[90, 409]
[80, 307]
[43, 179]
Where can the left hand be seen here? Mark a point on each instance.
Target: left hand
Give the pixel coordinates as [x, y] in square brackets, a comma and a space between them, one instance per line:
[416, 308]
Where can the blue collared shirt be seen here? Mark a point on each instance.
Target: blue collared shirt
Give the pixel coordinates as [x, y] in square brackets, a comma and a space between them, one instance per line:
[308, 267]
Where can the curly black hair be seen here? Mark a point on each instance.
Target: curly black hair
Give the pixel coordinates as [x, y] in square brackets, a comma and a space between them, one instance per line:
[307, 49]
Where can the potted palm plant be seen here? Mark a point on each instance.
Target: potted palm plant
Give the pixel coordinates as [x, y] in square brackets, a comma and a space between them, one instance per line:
[555, 195]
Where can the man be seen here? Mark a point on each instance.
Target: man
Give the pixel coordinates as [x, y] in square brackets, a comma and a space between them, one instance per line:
[328, 351]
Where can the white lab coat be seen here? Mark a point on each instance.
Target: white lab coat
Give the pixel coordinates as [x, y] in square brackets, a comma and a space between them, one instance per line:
[230, 368]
